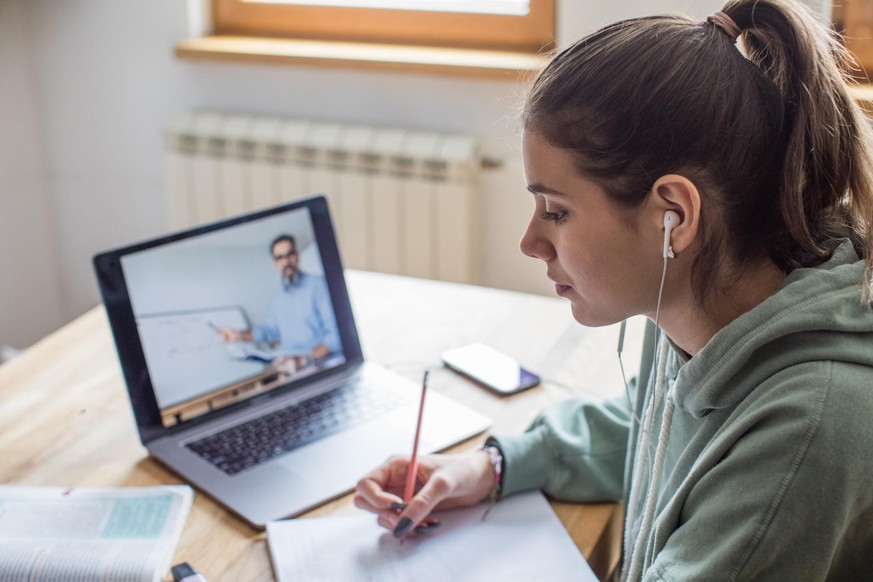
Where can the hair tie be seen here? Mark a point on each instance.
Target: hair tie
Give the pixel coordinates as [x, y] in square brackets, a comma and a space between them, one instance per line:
[727, 24]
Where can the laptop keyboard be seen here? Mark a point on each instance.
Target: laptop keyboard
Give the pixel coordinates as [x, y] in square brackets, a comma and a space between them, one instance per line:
[249, 444]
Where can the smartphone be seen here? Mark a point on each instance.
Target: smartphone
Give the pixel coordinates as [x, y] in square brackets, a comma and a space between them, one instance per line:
[490, 368]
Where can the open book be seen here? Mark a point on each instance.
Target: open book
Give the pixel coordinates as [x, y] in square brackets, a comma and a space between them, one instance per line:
[52, 533]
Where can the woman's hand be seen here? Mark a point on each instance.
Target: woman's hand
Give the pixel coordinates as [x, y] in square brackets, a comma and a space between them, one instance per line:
[443, 482]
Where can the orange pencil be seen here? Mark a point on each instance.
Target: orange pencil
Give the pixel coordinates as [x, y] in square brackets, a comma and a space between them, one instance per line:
[412, 472]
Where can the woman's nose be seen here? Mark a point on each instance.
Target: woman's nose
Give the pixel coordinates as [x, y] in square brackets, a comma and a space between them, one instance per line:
[534, 244]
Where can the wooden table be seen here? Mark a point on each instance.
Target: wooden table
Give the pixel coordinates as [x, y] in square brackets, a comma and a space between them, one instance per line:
[65, 419]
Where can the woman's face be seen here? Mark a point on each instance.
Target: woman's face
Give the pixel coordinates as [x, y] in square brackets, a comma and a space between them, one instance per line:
[593, 249]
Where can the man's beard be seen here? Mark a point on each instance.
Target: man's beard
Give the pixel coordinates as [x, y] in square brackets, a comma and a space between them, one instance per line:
[292, 279]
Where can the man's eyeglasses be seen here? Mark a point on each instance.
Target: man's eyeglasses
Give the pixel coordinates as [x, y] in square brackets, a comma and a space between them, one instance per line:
[286, 257]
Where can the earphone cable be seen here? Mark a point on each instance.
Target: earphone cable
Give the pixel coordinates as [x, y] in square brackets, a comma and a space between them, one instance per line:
[644, 447]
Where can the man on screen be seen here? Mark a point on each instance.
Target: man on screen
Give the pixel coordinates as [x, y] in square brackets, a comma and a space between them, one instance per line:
[300, 324]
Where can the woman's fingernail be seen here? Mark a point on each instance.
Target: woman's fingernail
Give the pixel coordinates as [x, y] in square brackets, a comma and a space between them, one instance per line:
[402, 527]
[397, 506]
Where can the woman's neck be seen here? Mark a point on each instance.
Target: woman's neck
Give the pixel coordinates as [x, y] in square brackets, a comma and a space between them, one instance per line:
[691, 325]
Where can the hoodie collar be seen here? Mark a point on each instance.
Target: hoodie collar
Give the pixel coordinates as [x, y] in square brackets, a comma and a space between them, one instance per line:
[756, 345]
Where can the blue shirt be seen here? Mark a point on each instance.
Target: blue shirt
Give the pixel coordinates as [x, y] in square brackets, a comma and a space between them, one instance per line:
[300, 318]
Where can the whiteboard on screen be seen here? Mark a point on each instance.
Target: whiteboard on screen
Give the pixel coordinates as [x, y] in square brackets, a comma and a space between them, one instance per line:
[186, 356]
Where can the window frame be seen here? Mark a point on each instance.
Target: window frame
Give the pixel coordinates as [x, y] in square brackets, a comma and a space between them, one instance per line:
[533, 33]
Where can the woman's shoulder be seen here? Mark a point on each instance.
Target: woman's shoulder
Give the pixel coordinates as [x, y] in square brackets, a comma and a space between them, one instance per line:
[825, 405]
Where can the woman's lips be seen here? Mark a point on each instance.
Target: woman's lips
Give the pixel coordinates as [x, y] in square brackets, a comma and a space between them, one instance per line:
[562, 289]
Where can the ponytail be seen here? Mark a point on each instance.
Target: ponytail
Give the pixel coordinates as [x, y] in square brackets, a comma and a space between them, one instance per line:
[826, 184]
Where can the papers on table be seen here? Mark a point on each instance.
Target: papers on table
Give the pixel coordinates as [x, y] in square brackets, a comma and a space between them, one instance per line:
[520, 539]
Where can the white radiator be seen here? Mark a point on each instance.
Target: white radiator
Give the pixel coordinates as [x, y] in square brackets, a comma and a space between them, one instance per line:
[402, 201]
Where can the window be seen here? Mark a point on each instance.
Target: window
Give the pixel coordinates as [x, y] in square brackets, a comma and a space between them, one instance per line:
[525, 26]
[496, 38]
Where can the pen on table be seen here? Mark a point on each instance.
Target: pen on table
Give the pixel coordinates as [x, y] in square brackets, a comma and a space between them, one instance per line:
[185, 572]
[213, 326]
[412, 471]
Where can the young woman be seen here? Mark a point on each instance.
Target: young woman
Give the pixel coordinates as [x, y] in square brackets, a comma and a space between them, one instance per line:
[717, 178]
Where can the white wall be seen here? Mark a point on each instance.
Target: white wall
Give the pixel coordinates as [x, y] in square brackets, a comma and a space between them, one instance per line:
[106, 82]
[29, 285]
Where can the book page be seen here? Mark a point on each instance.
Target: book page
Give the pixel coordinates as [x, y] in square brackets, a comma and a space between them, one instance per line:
[521, 539]
[49, 533]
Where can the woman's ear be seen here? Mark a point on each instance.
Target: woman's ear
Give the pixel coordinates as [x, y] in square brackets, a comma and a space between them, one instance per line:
[679, 194]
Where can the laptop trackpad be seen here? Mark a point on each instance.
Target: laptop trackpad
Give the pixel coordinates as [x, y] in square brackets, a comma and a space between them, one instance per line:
[341, 459]
[273, 492]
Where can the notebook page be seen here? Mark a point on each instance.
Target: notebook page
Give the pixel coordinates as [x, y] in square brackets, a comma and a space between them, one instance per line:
[520, 540]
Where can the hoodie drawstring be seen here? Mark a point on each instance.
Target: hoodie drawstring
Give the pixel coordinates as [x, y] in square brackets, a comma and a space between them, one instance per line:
[634, 549]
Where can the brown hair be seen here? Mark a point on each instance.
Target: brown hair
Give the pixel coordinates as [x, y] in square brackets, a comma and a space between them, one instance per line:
[770, 136]
[283, 238]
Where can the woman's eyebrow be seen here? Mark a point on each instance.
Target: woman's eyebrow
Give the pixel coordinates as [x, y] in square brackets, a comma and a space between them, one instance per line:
[537, 188]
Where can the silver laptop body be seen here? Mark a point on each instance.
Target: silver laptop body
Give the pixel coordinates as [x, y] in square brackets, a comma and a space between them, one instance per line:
[193, 392]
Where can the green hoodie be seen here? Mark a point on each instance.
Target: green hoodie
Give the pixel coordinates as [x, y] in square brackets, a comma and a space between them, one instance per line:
[768, 461]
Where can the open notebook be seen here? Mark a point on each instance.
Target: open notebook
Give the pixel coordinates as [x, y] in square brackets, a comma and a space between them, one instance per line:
[521, 539]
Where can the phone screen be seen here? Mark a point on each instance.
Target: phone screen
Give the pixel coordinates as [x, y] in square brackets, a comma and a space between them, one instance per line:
[489, 367]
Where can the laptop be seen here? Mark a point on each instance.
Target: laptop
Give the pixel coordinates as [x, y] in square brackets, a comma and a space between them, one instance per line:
[243, 366]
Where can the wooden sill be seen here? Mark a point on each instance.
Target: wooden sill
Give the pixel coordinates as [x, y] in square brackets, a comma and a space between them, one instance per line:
[478, 63]
[863, 96]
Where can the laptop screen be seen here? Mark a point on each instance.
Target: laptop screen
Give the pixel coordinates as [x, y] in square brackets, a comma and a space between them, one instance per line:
[231, 311]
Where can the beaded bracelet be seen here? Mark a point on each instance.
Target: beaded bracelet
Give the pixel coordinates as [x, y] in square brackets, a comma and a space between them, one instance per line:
[496, 459]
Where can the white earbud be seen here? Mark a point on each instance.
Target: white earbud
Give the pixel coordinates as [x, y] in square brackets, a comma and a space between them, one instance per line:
[671, 220]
